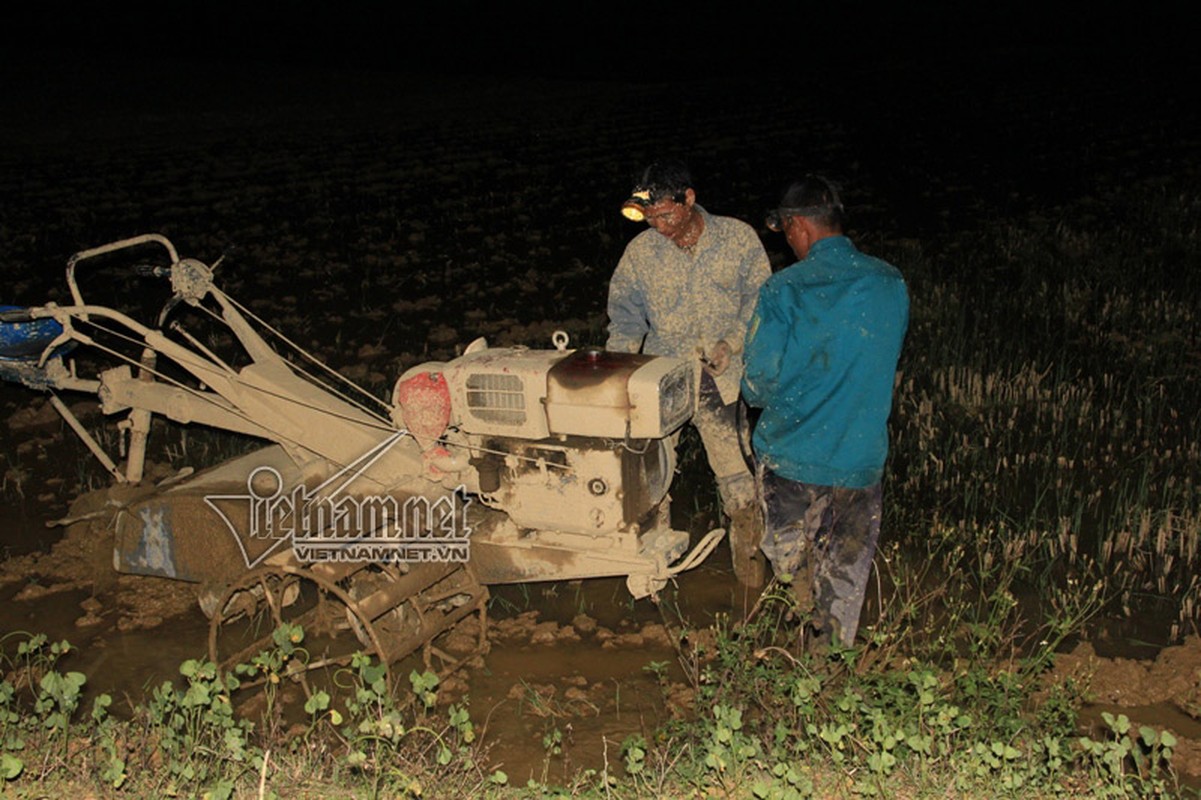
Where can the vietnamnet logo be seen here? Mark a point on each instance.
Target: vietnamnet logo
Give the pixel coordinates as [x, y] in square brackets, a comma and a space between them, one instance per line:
[329, 524]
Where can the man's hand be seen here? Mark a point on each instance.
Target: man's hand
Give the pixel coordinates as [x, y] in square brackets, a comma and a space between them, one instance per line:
[717, 359]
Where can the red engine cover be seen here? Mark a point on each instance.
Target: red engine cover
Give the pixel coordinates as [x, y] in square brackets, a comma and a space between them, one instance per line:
[424, 402]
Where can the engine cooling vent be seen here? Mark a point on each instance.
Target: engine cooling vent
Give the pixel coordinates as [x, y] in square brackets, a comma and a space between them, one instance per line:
[497, 398]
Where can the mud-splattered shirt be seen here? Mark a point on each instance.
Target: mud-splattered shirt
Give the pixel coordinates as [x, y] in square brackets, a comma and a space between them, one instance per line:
[670, 301]
[821, 357]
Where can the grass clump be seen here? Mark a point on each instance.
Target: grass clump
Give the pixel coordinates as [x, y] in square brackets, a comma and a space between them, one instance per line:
[188, 739]
[775, 721]
[772, 722]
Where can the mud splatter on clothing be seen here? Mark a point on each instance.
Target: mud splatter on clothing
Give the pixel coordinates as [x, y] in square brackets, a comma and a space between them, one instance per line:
[672, 301]
[825, 537]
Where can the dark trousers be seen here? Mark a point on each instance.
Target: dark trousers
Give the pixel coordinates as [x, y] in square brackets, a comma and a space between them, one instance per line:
[825, 538]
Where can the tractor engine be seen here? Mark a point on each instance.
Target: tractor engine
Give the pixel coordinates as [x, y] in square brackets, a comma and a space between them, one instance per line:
[575, 442]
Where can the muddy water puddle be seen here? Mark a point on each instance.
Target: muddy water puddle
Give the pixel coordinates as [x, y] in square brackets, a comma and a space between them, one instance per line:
[123, 663]
[549, 710]
[568, 680]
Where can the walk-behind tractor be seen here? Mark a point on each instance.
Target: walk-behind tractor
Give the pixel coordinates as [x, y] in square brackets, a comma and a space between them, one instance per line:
[376, 524]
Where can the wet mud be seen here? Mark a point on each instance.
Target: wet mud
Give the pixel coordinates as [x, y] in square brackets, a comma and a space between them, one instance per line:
[1163, 692]
[572, 668]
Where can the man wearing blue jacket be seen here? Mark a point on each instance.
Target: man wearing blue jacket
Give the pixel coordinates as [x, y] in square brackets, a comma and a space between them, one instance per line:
[820, 360]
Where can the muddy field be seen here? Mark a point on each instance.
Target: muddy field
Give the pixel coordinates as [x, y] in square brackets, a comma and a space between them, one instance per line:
[384, 220]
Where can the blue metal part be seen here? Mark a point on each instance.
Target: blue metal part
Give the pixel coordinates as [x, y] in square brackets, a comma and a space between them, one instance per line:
[25, 341]
[22, 345]
[25, 372]
[154, 553]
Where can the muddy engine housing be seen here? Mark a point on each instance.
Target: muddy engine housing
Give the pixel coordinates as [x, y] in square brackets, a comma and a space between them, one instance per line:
[575, 442]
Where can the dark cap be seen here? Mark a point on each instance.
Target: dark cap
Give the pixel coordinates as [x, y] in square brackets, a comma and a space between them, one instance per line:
[812, 196]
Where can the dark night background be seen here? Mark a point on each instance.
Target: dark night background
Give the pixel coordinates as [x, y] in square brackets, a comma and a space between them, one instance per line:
[422, 137]
[933, 117]
[925, 81]
[654, 41]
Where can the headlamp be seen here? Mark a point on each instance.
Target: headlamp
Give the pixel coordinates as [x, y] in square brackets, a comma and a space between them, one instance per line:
[775, 217]
[634, 209]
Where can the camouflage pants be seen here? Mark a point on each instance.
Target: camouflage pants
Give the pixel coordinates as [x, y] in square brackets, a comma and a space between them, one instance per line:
[825, 537]
[718, 424]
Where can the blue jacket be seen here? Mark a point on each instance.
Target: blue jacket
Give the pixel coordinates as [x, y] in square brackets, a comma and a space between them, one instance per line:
[820, 360]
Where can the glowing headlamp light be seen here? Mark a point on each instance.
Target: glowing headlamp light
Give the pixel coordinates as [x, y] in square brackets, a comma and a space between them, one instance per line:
[634, 209]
